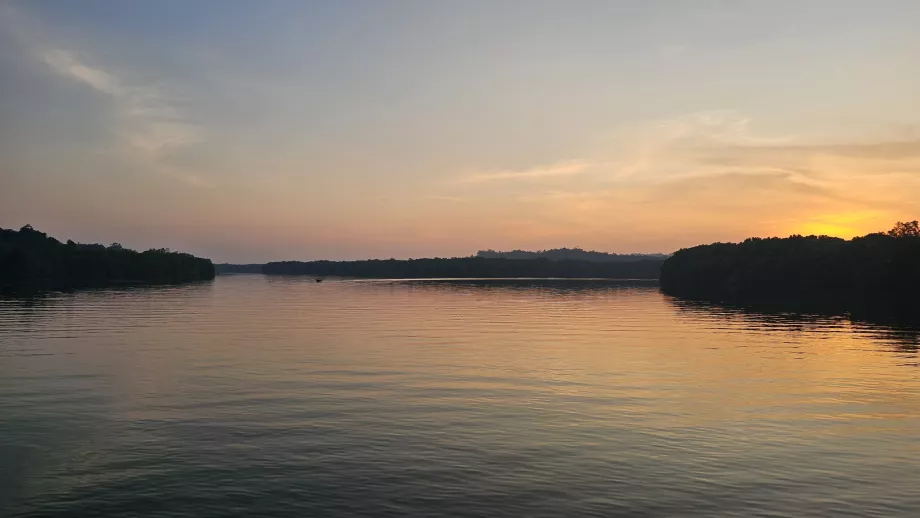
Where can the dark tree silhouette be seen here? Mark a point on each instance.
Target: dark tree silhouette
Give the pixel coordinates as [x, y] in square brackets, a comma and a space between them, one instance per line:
[877, 271]
[29, 259]
[908, 229]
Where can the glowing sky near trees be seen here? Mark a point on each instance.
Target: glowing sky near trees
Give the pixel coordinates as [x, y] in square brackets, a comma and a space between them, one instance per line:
[254, 131]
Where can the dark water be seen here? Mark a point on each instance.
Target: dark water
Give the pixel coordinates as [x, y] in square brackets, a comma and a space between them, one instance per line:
[256, 396]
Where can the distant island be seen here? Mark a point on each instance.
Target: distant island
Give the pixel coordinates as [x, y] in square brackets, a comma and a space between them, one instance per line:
[557, 262]
[31, 260]
[570, 254]
[877, 272]
[469, 267]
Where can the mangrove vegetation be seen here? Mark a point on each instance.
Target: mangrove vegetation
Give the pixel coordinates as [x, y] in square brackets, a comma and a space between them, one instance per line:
[878, 271]
[32, 260]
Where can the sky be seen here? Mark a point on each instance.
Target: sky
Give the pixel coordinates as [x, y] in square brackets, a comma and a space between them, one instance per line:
[255, 131]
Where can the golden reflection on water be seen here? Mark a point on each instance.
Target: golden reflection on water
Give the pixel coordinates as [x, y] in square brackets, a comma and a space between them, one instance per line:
[591, 374]
[567, 338]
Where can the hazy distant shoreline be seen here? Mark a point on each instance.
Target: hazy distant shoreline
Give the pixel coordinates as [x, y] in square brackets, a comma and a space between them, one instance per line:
[574, 254]
[468, 267]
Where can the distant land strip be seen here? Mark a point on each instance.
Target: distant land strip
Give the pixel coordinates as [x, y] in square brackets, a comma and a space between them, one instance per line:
[483, 264]
[570, 254]
[469, 267]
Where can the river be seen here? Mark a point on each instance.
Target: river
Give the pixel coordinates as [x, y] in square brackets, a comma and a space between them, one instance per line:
[279, 396]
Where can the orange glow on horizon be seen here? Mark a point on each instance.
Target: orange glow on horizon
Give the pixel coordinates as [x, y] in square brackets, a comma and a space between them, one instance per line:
[847, 225]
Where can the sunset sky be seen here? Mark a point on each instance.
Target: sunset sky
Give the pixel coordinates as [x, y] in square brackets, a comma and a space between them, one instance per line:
[252, 131]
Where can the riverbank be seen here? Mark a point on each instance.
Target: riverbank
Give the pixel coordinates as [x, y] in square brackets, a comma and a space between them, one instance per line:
[876, 270]
[31, 261]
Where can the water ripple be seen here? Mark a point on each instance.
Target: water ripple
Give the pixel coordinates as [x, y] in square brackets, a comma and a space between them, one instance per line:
[258, 396]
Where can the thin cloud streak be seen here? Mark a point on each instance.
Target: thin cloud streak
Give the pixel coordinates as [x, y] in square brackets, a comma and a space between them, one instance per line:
[149, 124]
[567, 168]
[66, 64]
[711, 174]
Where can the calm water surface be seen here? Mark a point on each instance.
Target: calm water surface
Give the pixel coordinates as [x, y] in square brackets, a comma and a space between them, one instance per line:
[258, 396]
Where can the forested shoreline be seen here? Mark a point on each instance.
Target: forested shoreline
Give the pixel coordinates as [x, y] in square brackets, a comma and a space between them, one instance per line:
[570, 254]
[873, 272]
[31, 260]
[467, 267]
[876, 272]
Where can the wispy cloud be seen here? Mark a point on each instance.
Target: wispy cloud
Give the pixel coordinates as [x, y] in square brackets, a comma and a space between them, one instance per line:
[66, 64]
[712, 175]
[149, 123]
[892, 150]
[713, 127]
[566, 168]
[677, 147]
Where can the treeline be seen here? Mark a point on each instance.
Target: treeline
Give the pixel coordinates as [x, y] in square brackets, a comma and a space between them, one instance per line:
[880, 270]
[467, 267]
[569, 254]
[30, 259]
